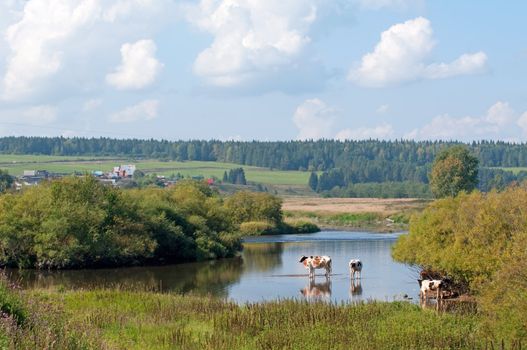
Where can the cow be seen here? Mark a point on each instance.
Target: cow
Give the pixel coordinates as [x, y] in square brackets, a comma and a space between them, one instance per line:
[355, 268]
[316, 290]
[428, 286]
[316, 262]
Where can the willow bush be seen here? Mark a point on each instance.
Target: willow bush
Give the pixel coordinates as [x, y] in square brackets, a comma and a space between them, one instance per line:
[78, 222]
[479, 240]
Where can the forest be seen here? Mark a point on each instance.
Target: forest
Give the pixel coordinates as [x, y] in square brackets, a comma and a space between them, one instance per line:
[368, 168]
[284, 155]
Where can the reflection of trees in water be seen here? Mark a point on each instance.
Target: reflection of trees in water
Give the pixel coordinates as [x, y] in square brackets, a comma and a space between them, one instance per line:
[262, 256]
[211, 277]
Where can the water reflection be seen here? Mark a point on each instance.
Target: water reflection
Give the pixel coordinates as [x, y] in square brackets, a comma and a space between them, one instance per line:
[355, 289]
[268, 269]
[262, 256]
[212, 277]
[316, 291]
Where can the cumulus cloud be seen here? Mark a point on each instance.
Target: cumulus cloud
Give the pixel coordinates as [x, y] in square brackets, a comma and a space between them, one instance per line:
[44, 33]
[139, 67]
[146, 110]
[401, 53]
[250, 37]
[497, 123]
[382, 131]
[522, 122]
[314, 120]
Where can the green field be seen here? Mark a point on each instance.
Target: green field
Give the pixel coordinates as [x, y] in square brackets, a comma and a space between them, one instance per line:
[16, 164]
[515, 171]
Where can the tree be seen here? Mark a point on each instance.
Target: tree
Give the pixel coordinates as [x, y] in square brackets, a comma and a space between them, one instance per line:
[454, 170]
[313, 181]
[6, 181]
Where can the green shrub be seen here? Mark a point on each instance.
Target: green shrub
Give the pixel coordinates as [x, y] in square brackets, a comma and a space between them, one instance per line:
[255, 228]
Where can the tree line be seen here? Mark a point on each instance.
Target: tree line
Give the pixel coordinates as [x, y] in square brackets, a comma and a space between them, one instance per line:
[401, 155]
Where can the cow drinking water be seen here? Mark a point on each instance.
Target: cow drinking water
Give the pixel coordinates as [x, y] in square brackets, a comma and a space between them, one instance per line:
[316, 262]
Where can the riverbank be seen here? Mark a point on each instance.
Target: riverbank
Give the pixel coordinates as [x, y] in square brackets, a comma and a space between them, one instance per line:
[121, 319]
[370, 214]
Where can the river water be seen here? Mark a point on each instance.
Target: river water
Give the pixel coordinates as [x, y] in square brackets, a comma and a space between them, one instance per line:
[268, 269]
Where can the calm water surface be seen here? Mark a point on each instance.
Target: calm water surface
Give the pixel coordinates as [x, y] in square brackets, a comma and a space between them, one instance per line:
[268, 269]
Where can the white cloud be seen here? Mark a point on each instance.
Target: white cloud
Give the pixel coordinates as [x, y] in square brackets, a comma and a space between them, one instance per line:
[146, 110]
[500, 114]
[39, 115]
[139, 67]
[251, 37]
[314, 120]
[92, 104]
[46, 33]
[497, 123]
[400, 56]
[522, 122]
[382, 131]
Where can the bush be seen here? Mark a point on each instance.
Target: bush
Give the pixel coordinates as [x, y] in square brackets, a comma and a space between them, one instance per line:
[255, 228]
[480, 240]
[79, 222]
[304, 227]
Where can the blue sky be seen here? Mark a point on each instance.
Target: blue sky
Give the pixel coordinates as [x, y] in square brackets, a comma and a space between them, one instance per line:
[265, 70]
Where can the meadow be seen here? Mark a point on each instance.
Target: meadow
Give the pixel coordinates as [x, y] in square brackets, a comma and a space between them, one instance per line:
[125, 319]
[16, 164]
[381, 215]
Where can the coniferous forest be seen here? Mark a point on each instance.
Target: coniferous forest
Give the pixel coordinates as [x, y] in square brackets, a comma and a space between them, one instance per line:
[342, 165]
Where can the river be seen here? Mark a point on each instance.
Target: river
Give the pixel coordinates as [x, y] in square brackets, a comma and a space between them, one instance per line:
[268, 269]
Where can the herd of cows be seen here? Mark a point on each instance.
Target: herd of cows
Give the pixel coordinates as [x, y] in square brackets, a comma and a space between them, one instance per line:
[428, 287]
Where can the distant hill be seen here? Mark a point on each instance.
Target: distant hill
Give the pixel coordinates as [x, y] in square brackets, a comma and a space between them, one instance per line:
[346, 162]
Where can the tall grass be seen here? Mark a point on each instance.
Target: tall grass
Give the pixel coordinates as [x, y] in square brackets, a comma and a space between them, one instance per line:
[123, 319]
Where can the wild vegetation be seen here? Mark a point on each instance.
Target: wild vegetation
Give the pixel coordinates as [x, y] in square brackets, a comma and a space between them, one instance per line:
[124, 319]
[480, 240]
[78, 222]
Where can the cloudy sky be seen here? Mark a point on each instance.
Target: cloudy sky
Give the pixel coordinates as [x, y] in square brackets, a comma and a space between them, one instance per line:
[264, 69]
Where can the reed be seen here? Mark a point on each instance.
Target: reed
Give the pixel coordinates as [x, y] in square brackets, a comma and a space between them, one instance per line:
[124, 319]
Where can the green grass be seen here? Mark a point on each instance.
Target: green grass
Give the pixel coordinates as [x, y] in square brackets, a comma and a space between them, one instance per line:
[515, 171]
[368, 221]
[119, 319]
[16, 164]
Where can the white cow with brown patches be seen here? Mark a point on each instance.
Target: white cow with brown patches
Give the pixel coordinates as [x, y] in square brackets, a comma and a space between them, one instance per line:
[316, 262]
[430, 286]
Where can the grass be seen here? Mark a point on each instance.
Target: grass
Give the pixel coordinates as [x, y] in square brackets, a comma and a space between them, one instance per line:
[16, 164]
[119, 319]
[382, 215]
[514, 170]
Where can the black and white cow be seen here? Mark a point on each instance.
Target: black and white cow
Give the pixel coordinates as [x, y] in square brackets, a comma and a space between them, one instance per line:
[355, 268]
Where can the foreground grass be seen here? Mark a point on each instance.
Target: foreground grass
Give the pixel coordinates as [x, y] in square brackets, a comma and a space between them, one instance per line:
[117, 319]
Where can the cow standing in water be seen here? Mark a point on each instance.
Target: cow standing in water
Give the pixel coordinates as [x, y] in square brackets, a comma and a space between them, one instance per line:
[317, 262]
[355, 268]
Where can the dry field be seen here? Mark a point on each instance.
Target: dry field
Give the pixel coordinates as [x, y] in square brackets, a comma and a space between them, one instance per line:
[353, 205]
